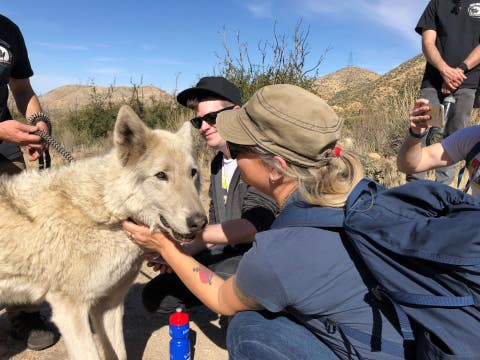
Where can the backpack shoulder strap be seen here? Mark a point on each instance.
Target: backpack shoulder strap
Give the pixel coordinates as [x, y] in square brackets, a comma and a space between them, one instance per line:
[301, 214]
[471, 154]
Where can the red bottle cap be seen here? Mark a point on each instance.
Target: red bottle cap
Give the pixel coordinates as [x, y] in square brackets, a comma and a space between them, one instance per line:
[178, 318]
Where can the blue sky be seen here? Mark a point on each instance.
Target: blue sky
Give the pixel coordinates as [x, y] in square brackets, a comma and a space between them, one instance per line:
[170, 44]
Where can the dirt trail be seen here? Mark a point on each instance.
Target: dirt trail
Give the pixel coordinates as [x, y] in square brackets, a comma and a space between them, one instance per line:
[146, 335]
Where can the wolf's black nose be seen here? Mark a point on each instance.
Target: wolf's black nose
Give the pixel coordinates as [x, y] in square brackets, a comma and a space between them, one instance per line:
[196, 222]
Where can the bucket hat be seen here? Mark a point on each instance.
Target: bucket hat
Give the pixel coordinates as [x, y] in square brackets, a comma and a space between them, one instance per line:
[285, 120]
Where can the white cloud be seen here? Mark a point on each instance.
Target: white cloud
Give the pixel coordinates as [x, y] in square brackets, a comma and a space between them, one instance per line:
[400, 16]
[260, 8]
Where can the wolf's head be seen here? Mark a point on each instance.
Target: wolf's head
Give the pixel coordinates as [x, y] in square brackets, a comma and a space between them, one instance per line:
[158, 180]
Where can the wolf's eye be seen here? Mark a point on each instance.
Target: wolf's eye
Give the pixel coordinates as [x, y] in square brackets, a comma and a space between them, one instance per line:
[162, 176]
[194, 172]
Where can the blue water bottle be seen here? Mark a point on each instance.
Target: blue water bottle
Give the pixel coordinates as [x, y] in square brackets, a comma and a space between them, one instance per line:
[179, 332]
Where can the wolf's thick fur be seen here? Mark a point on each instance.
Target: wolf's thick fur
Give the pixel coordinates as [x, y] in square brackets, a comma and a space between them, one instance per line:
[60, 230]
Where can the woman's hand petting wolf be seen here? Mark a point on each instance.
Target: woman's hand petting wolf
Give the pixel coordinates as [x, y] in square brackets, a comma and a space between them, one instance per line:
[143, 236]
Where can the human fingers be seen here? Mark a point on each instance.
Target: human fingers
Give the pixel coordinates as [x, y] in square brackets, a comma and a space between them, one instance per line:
[420, 102]
[135, 229]
[420, 108]
[445, 89]
[141, 235]
[24, 127]
[34, 153]
[419, 117]
[24, 139]
[41, 125]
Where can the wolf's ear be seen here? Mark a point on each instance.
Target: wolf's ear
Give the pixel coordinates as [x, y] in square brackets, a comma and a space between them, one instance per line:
[129, 135]
[185, 132]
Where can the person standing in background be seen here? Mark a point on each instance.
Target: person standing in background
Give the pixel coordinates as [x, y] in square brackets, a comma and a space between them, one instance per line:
[26, 321]
[450, 32]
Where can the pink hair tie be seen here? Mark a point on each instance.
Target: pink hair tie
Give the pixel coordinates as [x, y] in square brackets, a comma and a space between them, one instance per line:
[337, 151]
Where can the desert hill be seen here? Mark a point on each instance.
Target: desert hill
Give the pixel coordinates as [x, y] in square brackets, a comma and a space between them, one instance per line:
[65, 98]
[349, 90]
[344, 79]
[374, 93]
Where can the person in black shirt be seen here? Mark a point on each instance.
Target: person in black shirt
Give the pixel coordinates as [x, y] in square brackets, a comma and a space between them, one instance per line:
[15, 71]
[450, 32]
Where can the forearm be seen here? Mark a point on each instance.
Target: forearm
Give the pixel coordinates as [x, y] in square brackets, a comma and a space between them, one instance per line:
[410, 155]
[473, 59]
[433, 56]
[194, 247]
[33, 106]
[25, 98]
[237, 231]
[200, 280]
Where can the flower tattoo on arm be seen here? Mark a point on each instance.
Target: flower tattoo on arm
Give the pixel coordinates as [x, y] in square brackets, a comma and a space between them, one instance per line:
[205, 274]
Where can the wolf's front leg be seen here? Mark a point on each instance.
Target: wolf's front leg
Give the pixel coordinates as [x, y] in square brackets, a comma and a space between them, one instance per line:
[107, 321]
[71, 319]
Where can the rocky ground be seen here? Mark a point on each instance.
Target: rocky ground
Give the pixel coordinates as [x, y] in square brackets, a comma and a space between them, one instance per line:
[146, 335]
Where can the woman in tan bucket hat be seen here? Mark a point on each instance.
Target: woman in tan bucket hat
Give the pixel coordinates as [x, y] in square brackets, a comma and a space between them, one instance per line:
[297, 282]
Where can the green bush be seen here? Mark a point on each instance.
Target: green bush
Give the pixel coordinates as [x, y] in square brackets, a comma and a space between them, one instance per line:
[93, 122]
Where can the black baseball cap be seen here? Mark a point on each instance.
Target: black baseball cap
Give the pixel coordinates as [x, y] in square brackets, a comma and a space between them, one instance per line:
[216, 86]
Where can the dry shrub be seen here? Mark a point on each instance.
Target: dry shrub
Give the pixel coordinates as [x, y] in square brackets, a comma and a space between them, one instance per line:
[282, 60]
[381, 128]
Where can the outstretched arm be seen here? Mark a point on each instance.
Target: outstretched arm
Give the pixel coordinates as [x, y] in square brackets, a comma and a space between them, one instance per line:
[230, 232]
[221, 296]
[412, 157]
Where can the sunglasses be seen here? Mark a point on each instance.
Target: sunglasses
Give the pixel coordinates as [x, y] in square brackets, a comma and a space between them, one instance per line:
[210, 118]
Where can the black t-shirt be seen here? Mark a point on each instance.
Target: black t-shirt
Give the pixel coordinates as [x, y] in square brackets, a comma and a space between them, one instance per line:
[14, 63]
[457, 35]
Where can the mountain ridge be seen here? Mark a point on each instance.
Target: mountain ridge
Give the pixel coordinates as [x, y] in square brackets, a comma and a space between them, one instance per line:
[348, 90]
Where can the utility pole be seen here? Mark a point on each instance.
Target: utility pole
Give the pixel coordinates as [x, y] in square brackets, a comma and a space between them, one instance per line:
[350, 59]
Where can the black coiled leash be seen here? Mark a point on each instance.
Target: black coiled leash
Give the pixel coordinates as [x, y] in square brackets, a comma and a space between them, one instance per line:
[44, 160]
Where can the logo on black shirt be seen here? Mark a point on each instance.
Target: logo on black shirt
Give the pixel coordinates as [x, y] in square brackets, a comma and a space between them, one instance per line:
[4, 55]
[474, 10]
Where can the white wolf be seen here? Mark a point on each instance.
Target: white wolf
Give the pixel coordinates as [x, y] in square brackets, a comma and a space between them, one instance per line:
[60, 230]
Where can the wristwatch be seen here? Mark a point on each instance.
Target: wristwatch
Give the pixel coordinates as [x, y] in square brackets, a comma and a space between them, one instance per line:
[464, 67]
[417, 136]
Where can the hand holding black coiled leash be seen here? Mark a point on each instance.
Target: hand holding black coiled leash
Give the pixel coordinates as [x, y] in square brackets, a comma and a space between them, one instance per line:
[44, 159]
[56, 145]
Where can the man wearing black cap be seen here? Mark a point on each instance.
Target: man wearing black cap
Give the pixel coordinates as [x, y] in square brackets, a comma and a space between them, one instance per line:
[237, 211]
